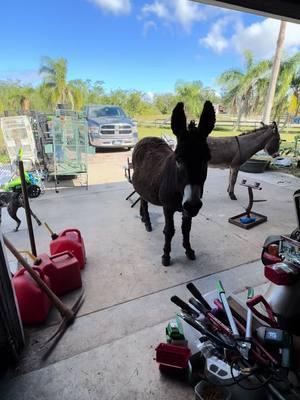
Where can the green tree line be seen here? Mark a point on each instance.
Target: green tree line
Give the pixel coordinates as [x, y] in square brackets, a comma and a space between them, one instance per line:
[242, 91]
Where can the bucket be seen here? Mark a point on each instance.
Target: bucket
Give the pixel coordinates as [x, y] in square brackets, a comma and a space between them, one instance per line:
[208, 391]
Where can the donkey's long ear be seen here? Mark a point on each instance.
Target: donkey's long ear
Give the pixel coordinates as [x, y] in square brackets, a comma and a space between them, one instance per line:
[178, 120]
[207, 119]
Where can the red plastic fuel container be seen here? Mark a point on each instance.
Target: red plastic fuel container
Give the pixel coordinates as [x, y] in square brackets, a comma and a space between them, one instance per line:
[63, 270]
[69, 240]
[34, 304]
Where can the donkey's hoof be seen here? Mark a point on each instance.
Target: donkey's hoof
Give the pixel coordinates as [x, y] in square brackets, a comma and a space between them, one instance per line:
[190, 254]
[232, 196]
[148, 227]
[166, 260]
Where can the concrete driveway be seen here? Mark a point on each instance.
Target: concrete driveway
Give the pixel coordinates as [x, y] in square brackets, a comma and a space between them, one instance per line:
[108, 352]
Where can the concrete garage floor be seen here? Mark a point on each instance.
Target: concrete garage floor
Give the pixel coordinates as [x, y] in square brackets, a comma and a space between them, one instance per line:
[108, 352]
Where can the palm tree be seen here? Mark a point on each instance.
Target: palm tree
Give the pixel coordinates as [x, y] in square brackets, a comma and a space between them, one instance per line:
[54, 73]
[275, 72]
[286, 85]
[295, 85]
[242, 88]
[191, 93]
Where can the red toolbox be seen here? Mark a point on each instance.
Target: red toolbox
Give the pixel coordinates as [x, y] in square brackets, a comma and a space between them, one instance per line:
[69, 240]
[63, 270]
[173, 356]
[34, 304]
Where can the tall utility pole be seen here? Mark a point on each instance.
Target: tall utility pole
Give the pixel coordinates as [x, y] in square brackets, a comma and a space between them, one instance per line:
[274, 75]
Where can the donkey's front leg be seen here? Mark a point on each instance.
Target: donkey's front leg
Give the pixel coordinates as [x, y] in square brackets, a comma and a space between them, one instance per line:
[186, 228]
[232, 180]
[144, 213]
[169, 231]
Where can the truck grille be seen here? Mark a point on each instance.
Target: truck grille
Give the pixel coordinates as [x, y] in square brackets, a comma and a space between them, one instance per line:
[107, 129]
[122, 129]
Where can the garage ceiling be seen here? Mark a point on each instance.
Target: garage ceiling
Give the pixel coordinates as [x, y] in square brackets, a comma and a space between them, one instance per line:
[288, 10]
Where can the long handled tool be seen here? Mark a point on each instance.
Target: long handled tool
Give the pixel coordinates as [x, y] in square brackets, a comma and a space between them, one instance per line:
[202, 305]
[189, 316]
[68, 314]
[268, 356]
[227, 310]
[27, 208]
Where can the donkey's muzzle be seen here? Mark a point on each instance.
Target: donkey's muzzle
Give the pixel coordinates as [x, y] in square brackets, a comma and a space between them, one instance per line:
[191, 208]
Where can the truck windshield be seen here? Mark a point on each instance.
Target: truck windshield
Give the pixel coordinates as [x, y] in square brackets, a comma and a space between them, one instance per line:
[97, 112]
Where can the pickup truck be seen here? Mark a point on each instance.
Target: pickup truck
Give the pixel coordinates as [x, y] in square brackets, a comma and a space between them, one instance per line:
[109, 127]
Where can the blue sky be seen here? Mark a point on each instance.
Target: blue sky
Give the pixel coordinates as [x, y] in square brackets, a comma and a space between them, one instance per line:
[133, 44]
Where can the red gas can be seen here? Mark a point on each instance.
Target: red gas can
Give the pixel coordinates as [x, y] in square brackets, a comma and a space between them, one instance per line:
[34, 304]
[69, 240]
[63, 270]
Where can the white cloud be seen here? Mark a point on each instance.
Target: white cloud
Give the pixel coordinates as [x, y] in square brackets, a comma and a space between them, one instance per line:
[215, 38]
[157, 8]
[259, 37]
[116, 7]
[187, 13]
[184, 12]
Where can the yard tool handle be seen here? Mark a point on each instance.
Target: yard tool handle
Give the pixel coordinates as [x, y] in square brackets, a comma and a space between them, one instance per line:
[184, 306]
[227, 310]
[262, 349]
[270, 319]
[27, 208]
[64, 311]
[249, 316]
[212, 337]
[196, 293]
[214, 320]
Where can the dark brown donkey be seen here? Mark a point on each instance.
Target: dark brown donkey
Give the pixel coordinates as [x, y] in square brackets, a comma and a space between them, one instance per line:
[174, 180]
[234, 151]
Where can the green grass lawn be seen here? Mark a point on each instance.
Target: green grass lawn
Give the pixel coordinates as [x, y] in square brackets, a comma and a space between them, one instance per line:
[147, 128]
[221, 131]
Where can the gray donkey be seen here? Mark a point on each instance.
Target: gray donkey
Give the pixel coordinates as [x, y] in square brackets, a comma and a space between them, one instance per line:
[233, 151]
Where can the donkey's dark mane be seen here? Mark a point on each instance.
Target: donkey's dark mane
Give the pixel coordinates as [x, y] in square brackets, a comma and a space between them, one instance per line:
[252, 131]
